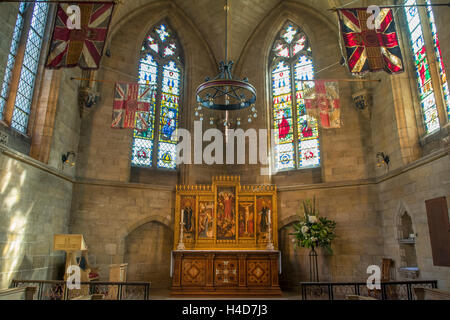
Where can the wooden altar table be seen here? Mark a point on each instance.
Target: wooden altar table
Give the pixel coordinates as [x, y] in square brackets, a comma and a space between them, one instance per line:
[226, 272]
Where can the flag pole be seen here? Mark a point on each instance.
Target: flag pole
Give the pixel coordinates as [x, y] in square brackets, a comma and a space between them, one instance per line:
[112, 81]
[342, 80]
[397, 6]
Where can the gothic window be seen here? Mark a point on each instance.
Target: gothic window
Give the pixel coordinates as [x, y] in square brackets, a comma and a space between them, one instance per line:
[427, 94]
[160, 65]
[437, 49]
[296, 134]
[30, 22]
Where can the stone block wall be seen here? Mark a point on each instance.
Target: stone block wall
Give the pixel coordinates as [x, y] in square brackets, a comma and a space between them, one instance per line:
[408, 192]
[34, 205]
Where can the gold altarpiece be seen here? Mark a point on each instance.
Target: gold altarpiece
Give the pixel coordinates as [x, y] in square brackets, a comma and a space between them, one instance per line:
[226, 215]
[226, 239]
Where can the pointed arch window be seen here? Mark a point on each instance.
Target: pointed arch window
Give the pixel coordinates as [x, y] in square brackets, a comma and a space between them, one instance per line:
[161, 65]
[296, 134]
[28, 33]
[428, 94]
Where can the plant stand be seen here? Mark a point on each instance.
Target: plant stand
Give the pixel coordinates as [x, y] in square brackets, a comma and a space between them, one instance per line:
[313, 266]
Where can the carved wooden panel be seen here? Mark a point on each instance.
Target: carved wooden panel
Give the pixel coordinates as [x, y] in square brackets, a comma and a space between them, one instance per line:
[226, 272]
[193, 272]
[258, 273]
[221, 272]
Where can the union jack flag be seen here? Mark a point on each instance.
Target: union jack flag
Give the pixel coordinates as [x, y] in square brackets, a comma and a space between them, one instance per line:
[131, 104]
[322, 102]
[80, 47]
[369, 49]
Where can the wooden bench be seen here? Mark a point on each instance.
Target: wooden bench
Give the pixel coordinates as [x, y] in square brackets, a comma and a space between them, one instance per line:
[22, 293]
[431, 294]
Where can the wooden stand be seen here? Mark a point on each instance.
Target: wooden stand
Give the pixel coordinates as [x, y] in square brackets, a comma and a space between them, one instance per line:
[239, 272]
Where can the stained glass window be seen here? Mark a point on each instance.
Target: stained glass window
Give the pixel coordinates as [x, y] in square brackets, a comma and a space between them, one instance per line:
[437, 49]
[160, 65]
[296, 135]
[11, 58]
[426, 92]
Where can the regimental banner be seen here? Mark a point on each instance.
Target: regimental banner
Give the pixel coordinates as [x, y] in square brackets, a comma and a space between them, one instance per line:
[83, 47]
[226, 216]
[131, 103]
[370, 49]
[322, 103]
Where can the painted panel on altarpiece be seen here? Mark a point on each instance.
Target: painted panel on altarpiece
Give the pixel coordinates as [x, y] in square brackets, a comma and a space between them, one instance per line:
[206, 220]
[187, 204]
[263, 206]
[246, 220]
[226, 213]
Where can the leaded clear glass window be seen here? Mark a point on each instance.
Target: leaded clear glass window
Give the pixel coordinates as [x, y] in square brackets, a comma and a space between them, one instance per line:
[296, 135]
[29, 63]
[161, 65]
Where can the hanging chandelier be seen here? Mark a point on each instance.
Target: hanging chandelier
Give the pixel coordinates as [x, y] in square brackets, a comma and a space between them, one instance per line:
[224, 93]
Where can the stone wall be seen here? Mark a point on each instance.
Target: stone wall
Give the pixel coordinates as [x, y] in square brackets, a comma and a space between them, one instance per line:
[427, 179]
[34, 205]
[109, 217]
[129, 218]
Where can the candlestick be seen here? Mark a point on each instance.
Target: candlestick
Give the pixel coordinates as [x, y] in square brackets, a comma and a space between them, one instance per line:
[180, 242]
[269, 243]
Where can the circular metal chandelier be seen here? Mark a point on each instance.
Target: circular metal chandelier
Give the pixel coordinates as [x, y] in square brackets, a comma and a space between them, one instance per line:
[224, 93]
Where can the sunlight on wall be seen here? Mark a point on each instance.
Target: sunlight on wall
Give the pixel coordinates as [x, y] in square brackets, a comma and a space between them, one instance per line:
[10, 205]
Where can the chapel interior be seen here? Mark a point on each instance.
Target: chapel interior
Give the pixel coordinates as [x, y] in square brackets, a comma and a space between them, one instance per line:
[382, 173]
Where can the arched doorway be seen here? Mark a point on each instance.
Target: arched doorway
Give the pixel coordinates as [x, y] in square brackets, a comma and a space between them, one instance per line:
[147, 252]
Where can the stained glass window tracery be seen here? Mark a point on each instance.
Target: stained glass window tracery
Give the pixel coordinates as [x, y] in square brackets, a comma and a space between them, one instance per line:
[425, 86]
[160, 65]
[296, 135]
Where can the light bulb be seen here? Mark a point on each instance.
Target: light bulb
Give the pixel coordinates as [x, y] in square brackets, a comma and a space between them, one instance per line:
[211, 122]
[196, 113]
[199, 107]
[238, 123]
[249, 119]
[253, 109]
[255, 115]
[242, 104]
[201, 118]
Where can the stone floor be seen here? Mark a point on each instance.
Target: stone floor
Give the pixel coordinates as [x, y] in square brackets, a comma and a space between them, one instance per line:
[164, 294]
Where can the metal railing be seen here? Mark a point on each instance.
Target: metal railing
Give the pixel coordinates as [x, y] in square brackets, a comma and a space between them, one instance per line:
[57, 289]
[390, 290]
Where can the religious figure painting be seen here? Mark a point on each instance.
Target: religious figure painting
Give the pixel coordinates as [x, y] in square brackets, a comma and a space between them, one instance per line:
[246, 219]
[206, 219]
[188, 209]
[263, 206]
[226, 213]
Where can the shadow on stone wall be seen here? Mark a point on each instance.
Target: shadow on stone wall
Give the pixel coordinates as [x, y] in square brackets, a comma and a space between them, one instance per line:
[147, 252]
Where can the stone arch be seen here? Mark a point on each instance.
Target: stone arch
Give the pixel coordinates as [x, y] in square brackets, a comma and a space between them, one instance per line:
[160, 10]
[147, 250]
[288, 220]
[404, 226]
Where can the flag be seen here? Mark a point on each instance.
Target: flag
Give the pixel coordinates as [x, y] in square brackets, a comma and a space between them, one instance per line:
[322, 102]
[131, 104]
[71, 47]
[369, 49]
